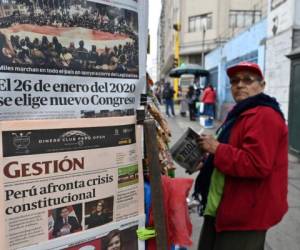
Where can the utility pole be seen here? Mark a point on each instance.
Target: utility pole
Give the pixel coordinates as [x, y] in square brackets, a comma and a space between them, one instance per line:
[253, 15]
[177, 29]
[203, 43]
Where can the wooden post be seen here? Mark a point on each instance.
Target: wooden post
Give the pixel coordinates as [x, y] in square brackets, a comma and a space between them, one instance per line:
[155, 183]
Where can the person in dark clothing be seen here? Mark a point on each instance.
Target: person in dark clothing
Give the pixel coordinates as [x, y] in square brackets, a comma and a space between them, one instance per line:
[71, 48]
[36, 43]
[168, 95]
[98, 217]
[45, 43]
[81, 56]
[191, 99]
[65, 224]
[105, 57]
[29, 44]
[45, 49]
[121, 67]
[6, 50]
[93, 57]
[24, 54]
[57, 46]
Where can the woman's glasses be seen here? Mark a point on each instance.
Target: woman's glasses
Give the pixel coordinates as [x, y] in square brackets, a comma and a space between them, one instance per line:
[247, 80]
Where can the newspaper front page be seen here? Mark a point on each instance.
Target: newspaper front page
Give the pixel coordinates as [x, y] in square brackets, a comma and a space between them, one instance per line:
[186, 151]
[71, 59]
[64, 177]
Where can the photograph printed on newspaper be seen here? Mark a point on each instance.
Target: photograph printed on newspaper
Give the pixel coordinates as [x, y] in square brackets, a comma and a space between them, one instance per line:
[114, 236]
[71, 59]
[69, 37]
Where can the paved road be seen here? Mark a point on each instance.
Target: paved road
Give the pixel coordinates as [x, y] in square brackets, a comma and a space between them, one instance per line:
[284, 236]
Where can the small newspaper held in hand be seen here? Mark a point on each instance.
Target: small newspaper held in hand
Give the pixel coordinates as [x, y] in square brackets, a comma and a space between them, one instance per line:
[186, 151]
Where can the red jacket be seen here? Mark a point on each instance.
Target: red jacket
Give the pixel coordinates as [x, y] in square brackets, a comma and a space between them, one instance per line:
[209, 96]
[255, 164]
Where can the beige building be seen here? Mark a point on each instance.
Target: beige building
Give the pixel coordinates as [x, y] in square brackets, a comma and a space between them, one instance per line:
[204, 25]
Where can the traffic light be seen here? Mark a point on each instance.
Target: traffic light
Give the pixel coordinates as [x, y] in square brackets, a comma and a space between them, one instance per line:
[148, 44]
[175, 62]
[177, 27]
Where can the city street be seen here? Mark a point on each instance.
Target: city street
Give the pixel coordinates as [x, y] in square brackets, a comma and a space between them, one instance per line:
[92, 99]
[284, 236]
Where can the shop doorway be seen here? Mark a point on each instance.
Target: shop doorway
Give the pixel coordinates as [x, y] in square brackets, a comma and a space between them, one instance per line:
[294, 106]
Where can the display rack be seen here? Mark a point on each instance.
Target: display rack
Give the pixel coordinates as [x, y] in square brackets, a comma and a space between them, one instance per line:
[155, 183]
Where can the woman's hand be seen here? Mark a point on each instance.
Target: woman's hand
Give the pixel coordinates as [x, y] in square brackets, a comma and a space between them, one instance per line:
[208, 143]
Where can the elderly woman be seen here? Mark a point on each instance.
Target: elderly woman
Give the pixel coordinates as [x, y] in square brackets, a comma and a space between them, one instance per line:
[246, 191]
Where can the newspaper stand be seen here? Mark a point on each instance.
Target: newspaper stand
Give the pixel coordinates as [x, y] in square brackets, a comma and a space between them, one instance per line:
[155, 183]
[154, 171]
[52, 92]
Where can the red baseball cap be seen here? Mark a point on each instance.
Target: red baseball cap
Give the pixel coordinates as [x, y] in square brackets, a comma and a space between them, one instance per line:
[253, 67]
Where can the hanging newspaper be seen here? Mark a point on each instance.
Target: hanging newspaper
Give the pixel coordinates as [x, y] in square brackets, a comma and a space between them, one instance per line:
[71, 59]
[119, 235]
[62, 177]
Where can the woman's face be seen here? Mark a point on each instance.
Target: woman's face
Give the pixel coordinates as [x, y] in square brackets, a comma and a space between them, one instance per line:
[99, 207]
[245, 84]
[114, 243]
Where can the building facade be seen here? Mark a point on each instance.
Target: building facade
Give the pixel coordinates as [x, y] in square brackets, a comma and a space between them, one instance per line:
[204, 25]
[246, 46]
[283, 73]
[273, 43]
[166, 36]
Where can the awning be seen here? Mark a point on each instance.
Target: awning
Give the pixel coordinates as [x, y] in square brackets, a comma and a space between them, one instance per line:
[193, 69]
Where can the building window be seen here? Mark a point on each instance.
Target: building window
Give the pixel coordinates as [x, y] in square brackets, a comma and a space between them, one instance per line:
[243, 18]
[196, 22]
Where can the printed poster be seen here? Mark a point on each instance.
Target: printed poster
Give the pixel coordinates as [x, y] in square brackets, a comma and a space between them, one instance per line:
[64, 177]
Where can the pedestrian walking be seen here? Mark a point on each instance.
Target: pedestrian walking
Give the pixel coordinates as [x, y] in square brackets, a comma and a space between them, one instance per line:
[183, 102]
[209, 99]
[191, 99]
[157, 92]
[243, 181]
[168, 95]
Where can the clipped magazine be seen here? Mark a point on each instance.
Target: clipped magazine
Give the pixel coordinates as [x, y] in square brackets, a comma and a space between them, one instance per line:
[186, 151]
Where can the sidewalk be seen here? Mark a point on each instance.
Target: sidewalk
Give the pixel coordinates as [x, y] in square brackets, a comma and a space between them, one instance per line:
[284, 236]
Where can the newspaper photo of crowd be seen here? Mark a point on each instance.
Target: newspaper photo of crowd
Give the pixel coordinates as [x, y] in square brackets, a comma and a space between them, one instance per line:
[106, 113]
[69, 34]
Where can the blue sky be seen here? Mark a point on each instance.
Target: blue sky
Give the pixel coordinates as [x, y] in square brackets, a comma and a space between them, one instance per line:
[154, 13]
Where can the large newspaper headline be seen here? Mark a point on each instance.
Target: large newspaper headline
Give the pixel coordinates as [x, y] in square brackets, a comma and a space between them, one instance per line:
[61, 177]
[72, 59]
